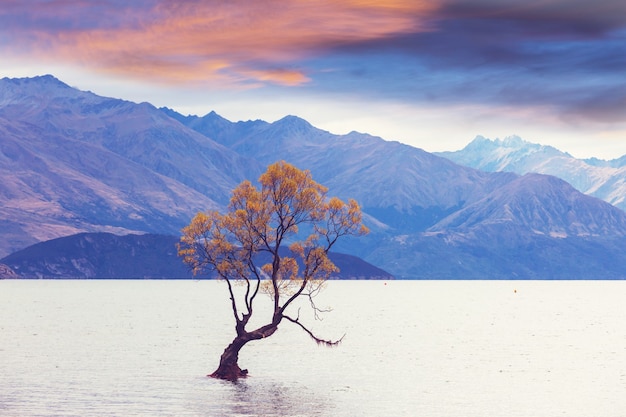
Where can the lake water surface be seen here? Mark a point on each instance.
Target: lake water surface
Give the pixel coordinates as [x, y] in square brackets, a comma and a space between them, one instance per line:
[412, 348]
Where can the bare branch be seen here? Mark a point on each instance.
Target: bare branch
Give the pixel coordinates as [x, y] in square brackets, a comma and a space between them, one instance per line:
[253, 269]
[316, 310]
[232, 299]
[317, 340]
[293, 297]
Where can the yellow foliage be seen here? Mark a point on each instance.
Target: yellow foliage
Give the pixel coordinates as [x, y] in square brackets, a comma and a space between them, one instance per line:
[261, 221]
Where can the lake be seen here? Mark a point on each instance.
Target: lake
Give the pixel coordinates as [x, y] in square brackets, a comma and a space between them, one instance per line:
[411, 348]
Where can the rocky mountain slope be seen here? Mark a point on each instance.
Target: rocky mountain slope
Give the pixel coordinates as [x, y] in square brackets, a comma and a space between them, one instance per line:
[415, 196]
[602, 179]
[71, 161]
[399, 185]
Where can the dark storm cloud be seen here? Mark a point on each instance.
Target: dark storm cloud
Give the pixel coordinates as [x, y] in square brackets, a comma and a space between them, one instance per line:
[566, 55]
[545, 18]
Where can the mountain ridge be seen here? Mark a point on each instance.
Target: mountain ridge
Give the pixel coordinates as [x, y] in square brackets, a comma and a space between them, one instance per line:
[84, 163]
[605, 180]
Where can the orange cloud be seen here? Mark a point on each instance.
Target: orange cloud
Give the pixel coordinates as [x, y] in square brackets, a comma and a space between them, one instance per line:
[228, 43]
[278, 76]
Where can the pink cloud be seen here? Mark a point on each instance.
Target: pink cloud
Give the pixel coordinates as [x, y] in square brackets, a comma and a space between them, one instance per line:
[229, 43]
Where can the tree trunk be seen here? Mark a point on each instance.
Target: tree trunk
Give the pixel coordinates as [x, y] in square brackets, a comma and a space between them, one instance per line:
[229, 368]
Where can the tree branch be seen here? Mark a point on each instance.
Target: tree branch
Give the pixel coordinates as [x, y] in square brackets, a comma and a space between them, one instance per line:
[255, 272]
[316, 310]
[233, 301]
[317, 340]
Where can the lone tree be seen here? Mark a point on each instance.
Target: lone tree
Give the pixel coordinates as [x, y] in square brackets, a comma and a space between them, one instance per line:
[257, 227]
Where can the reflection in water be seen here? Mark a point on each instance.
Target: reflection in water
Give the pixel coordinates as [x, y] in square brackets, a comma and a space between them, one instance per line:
[263, 397]
[259, 397]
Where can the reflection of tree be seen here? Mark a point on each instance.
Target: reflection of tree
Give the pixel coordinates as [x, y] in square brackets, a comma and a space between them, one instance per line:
[271, 398]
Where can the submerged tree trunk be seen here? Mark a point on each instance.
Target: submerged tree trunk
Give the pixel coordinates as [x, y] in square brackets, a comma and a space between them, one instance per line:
[229, 367]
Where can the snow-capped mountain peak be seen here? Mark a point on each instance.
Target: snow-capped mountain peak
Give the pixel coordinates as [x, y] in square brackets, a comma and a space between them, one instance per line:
[602, 179]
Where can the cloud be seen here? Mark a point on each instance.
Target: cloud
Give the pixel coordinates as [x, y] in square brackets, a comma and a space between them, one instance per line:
[54, 16]
[542, 17]
[234, 42]
[564, 56]
[567, 57]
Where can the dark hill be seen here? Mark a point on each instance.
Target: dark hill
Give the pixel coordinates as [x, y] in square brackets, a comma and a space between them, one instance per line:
[149, 256]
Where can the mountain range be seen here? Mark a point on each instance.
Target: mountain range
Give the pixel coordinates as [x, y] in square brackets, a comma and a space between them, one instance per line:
[72, 162]
[602, 179]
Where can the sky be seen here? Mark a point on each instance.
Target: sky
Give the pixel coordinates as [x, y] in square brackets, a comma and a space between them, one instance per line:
[433, 74]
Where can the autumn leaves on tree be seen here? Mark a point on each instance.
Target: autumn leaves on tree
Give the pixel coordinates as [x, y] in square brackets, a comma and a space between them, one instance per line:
[289, 211]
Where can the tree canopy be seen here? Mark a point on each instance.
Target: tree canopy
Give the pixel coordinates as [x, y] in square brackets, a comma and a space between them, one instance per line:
[247, 244]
